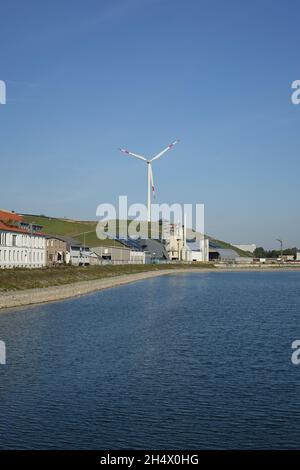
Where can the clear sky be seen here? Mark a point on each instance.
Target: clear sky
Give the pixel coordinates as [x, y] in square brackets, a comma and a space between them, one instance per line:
[86, 77]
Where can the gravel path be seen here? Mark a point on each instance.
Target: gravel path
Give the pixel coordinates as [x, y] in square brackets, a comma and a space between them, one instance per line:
[49, 294]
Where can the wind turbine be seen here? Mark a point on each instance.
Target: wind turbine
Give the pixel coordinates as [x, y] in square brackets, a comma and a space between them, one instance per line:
[150, 172]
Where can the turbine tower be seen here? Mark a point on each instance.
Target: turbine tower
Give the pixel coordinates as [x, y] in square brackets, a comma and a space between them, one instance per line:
[150, 184]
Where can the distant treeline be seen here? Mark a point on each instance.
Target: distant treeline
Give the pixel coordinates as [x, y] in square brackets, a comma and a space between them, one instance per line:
[260, 252]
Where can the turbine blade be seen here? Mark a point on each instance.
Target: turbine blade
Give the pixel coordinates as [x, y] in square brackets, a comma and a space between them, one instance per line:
[140, 157]
[165, 150]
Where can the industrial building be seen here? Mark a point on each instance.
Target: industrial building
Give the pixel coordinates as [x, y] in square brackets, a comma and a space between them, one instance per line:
[119, 255]
[184, 245]
[155, 250]
[217, 252]
[173, 246]
[196, 250]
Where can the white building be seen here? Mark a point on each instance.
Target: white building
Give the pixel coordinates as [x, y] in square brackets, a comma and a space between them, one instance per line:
[22, 245]
[137, 257]
[298, 256]
[119, 255]
[21, 249]
[173, 239]
[180, 248]
[288, 257]
[77, 255]
[196, 251]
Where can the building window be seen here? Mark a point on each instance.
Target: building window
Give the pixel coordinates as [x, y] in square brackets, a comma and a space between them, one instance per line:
[3, 238]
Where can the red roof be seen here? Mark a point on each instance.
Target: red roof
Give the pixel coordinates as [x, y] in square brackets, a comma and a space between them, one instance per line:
[11, 228]
[10, 216]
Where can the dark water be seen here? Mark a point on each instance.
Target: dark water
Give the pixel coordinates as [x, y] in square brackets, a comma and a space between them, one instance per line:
[189, 361]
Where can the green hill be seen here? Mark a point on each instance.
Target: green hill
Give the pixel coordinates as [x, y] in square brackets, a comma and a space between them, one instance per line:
[76, 228]
[222, 244]
[70, 228]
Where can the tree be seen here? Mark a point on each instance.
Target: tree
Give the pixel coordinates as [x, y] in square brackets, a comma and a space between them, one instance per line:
[259, 252]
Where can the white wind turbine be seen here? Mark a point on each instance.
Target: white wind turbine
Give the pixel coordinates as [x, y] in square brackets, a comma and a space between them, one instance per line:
[150, 172]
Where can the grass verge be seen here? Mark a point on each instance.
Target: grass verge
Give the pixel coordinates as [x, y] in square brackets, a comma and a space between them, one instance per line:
[20, 279]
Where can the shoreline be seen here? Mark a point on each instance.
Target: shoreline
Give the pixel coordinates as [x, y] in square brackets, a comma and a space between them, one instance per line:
[11, 299]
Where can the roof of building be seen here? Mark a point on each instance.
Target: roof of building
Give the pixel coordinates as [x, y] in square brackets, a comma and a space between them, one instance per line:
[12, 228]
[12, 222]
[10, 216]
[193, 245]
[70, 241]
[155, 247]
[214, 244]
[227, 253]
[111, 247]
[58, 237]
[131, 243]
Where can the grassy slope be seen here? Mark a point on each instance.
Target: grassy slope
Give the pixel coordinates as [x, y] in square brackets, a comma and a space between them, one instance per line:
[72, 228]
[227, 245]
[19, 279]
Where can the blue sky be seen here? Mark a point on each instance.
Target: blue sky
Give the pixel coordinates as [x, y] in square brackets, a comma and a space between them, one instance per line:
[84, 78]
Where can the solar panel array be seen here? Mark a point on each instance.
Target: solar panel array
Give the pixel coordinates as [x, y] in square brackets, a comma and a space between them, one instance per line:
[134, 244]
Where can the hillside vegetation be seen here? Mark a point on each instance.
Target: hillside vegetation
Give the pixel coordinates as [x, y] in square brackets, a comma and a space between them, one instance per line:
[70, 228]
[19, 279]
[75, 229]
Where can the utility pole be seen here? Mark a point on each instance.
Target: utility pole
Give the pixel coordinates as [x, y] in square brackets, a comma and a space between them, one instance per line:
[281, 247]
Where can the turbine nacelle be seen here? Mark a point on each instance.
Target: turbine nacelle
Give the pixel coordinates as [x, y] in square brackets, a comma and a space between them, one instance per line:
[149, 169]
